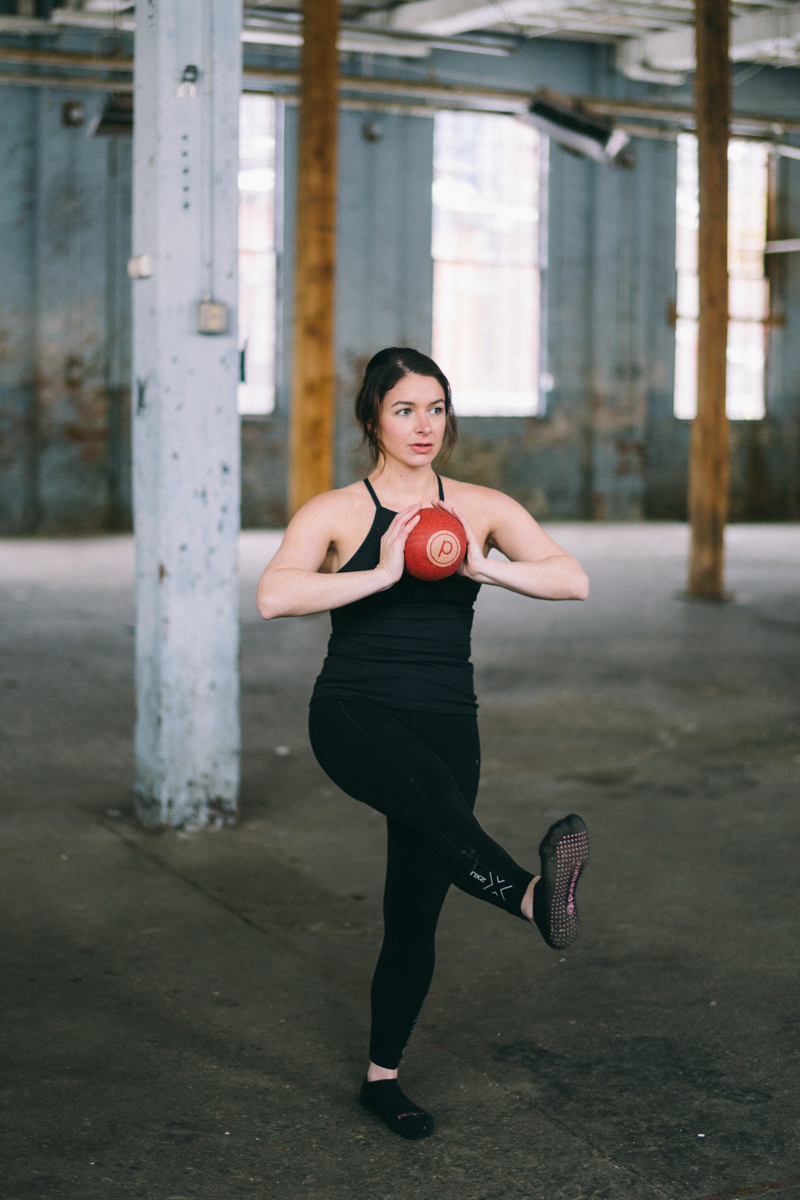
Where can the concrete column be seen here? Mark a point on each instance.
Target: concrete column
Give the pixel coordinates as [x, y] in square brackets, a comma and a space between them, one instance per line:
[186, 427]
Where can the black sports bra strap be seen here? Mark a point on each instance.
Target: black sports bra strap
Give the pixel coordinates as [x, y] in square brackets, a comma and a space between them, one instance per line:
[371, 491]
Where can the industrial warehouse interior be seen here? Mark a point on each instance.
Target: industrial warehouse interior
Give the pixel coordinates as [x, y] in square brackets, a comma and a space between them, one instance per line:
[588, 213]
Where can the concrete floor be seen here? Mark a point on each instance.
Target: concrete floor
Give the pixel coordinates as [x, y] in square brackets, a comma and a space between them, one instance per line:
[186, 1016]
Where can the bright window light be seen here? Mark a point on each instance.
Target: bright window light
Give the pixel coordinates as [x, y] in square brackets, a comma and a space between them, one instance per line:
[748, 288]
[486, 276]
[257, 254]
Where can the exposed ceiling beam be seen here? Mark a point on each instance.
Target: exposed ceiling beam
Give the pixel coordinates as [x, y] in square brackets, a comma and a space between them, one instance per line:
[658, 45]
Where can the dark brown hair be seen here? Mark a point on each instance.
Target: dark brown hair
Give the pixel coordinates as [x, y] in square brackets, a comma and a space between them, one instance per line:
[384, 370]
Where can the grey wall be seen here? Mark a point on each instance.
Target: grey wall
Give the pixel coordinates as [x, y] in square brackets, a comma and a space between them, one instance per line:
[64, 319]
[608, 446]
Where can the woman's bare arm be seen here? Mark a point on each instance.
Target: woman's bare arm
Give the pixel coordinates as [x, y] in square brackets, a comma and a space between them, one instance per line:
[538, 566]
[293, 584]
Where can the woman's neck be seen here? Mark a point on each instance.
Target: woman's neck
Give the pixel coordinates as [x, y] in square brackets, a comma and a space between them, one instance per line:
[400, 485]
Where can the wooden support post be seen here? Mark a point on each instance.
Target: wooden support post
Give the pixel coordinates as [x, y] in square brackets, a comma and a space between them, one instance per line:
[708, 466]
[314, 372]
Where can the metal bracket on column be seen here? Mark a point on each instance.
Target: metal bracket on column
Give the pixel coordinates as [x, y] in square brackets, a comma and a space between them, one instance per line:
[212, 316]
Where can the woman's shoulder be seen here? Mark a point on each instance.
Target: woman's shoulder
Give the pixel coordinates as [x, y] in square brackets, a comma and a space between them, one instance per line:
[340, 504]
[459, 492]
[324, 522]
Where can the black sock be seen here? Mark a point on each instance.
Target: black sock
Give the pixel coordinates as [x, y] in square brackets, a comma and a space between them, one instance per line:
[385, 1098]
[563, 852]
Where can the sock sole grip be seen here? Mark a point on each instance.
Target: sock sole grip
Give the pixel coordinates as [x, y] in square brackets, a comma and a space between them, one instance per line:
[563, 853]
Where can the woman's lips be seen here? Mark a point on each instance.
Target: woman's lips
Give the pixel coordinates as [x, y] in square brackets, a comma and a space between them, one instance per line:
[421, 447]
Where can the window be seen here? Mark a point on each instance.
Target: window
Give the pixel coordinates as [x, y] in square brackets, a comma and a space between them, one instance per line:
[257, 254]
[486, 274]
[748, 288]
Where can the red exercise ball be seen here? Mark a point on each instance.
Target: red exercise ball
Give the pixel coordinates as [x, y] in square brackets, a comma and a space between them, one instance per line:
[436, 546]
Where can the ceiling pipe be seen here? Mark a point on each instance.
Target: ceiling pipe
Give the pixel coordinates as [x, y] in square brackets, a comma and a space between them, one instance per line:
[771, 37]
[352, 38]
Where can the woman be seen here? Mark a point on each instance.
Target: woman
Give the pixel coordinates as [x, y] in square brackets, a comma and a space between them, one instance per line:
[393, 715]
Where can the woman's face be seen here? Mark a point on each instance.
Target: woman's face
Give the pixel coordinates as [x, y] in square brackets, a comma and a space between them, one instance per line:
[412, 420]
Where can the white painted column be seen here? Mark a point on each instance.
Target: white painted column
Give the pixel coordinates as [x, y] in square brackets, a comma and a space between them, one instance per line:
[186, 426]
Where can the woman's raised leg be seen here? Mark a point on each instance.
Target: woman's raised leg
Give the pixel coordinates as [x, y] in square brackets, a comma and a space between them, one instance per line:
[375, 758]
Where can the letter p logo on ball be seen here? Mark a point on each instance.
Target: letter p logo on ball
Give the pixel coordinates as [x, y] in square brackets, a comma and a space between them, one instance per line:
[436, 545]
[443, 548]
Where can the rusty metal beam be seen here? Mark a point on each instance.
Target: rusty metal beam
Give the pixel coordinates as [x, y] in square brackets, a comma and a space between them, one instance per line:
[67, 58]
[54, 81]
[313, 352]
[709, 454]
[436, 95]
[513, 100]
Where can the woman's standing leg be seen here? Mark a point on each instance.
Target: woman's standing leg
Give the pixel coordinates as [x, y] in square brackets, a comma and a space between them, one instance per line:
[413, 896]
[415, 890]
[412, 901]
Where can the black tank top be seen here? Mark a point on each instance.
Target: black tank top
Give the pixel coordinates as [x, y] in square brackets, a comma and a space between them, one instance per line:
[406, 647]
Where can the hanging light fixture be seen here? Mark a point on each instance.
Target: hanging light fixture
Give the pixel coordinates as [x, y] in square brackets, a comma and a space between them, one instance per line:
[116, 119]
[563, 121]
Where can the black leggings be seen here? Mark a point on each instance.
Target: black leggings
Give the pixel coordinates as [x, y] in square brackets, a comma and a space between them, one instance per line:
[421, 771]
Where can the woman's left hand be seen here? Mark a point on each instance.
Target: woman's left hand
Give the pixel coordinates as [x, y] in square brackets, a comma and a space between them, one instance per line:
[532, 563]
[474, 564]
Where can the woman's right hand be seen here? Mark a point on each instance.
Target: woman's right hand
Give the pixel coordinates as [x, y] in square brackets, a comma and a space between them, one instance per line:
[393, 543]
